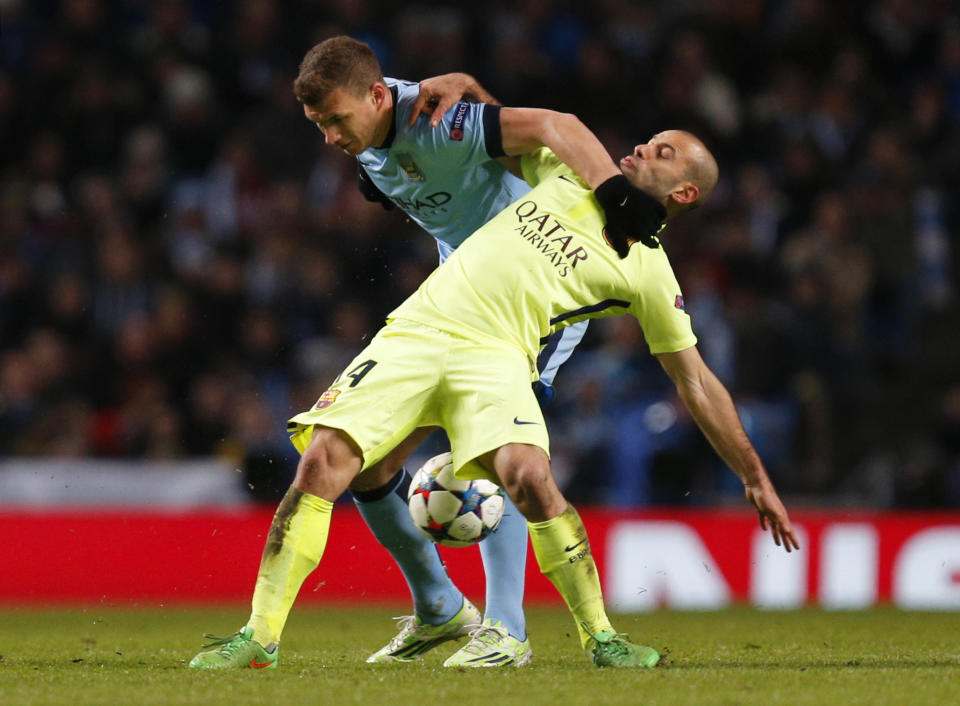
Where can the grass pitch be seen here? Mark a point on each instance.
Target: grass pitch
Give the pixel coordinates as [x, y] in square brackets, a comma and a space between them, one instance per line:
[139, 656]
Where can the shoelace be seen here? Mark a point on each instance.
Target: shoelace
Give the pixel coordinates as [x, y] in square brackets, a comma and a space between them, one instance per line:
[614, 644]
[484, 636]
[229, 643]
[406, 623]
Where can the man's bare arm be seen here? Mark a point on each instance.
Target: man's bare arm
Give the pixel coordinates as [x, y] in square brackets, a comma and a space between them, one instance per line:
[527, 129]
[712, 409]
[523, 129]
[631, 215]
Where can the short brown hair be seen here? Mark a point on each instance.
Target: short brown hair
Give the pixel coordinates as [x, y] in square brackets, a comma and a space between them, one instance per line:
[338, 62]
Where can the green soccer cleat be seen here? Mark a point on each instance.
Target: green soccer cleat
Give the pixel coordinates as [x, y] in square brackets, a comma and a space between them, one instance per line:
[491, 646]
[612, 649]
[416, 637]
[237, 651]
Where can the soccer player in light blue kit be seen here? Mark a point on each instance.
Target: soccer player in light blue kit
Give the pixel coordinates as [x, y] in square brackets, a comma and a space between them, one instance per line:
[445, 175]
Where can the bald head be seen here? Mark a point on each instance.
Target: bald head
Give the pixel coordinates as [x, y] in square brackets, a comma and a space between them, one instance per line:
[675, 167]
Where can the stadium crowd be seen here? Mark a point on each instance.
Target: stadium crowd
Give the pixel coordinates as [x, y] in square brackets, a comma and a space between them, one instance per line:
[184, 264]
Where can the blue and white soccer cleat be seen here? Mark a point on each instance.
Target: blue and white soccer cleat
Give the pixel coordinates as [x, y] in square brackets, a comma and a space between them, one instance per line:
[491, 646]
[416, 637]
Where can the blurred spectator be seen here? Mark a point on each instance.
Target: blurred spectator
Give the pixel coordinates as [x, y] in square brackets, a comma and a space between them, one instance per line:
[183, 264]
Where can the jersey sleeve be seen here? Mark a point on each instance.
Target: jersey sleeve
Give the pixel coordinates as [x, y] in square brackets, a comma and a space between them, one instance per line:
[473, 130]
[541, 164]
[659, 307]
[468, 133]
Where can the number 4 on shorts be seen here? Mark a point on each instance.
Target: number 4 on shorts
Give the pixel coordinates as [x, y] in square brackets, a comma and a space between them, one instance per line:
[358, 372]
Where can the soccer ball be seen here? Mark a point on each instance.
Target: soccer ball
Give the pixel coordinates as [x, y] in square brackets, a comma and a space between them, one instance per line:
[450, 511]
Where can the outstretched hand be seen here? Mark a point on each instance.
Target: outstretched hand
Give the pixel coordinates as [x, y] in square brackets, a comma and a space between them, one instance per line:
[773, 515]
[440, 93]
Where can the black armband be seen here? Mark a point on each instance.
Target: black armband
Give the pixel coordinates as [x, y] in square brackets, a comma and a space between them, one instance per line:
[492, 134]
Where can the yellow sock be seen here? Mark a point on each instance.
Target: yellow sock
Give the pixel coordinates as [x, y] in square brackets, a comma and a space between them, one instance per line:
[294, 546]
[563, 553]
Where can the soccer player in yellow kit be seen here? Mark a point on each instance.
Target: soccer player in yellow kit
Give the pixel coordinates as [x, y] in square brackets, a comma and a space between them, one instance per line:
[461, 352]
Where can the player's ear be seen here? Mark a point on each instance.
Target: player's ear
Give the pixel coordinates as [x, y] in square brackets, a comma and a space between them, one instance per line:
[685, 193]
[378, 91]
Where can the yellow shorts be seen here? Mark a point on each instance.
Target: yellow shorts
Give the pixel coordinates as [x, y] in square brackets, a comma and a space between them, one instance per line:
[412, 375]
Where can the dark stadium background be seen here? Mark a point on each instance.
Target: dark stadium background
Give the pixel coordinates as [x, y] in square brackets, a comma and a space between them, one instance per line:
[184, 264]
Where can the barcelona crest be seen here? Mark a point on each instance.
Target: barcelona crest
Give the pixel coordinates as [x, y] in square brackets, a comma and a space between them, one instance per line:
[327, 399]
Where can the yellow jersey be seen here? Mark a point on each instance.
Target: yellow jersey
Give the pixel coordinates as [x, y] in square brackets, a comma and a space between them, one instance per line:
[543, 263]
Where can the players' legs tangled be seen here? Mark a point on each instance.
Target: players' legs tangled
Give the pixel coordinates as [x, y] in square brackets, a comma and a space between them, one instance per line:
[437, 601]
[381, 498]
[331, 461]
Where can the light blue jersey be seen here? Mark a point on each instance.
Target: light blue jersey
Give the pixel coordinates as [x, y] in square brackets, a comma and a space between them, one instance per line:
[446, 178]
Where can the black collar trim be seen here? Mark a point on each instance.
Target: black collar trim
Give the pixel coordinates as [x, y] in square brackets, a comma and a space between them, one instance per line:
[388, 142]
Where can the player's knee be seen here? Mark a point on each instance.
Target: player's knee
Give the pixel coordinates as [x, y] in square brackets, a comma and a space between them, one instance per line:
[526, 475]
[526, 479]
[314, 462]
[328, 462]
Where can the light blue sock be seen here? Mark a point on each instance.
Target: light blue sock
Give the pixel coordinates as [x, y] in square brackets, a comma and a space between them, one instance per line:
[435, 598]
[504, 555]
